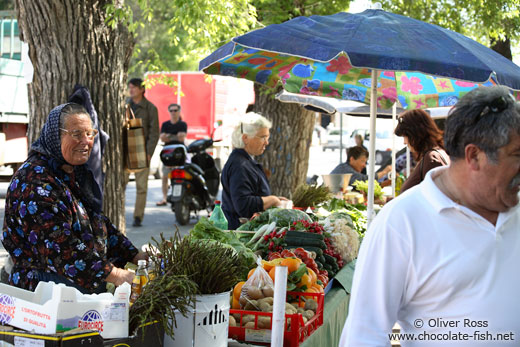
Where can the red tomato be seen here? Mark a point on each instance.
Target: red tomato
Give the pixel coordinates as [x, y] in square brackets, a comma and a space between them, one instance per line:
[288, 254]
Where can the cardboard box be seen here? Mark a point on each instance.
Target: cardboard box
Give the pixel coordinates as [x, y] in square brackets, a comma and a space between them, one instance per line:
[54, 308]
[151, 334]
[11, 337]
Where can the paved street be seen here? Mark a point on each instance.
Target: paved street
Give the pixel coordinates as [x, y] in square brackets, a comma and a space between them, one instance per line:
[157, 219]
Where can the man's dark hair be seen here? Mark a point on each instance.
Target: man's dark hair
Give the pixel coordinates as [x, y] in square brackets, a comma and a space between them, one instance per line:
[485, 117]
[137, 82]
[356, 152]
[171, 105]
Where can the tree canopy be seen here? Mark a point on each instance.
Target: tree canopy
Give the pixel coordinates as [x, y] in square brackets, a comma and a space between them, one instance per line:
[175, 34]
[490, 22]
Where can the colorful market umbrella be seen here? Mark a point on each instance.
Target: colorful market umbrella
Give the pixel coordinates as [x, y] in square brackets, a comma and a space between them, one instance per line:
[373, 55]
[420, 64]
[339, 79]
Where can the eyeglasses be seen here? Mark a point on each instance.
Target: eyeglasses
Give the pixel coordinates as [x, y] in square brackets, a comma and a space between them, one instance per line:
[78, 134]
[174, 110]
[264, 138]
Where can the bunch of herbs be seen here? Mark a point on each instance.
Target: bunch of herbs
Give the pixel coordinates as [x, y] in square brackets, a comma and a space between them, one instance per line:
[214, 267]
[311, 195]
[161, 300]
[184, 268]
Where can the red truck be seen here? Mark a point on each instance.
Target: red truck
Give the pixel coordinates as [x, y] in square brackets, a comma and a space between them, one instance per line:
[205, 100]
[210, 105]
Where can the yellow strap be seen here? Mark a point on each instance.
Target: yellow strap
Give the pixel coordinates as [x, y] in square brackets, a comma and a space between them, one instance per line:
[79, 336]
[39, 337]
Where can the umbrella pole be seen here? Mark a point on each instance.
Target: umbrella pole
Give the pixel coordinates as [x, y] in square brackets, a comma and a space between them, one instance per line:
[340, 138]
[372, 147]
[394, 115]
[408, 161]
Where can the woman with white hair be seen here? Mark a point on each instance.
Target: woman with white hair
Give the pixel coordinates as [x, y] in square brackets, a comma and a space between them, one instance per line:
[245, 186]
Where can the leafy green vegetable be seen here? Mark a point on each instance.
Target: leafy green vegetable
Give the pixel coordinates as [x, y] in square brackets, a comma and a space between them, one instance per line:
[205, 230]
[334, 204]
[281, 216]
[285, 217]
[256, 223]
[358, 219]
[353, 213]
[342, 214]
[362, 186]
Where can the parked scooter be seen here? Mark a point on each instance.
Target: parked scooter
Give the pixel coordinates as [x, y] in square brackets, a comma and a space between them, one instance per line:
[194, 185]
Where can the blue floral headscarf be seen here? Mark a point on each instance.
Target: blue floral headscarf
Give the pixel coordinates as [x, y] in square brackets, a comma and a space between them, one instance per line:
[49, 144]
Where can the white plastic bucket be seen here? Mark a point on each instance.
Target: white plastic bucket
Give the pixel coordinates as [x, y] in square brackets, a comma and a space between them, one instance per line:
[205, 325]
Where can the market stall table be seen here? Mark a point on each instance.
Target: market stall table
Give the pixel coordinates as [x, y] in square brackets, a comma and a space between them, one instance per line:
[334, 315]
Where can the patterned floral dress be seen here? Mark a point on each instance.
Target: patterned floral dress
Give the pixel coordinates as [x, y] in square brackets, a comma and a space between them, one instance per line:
[47, 227]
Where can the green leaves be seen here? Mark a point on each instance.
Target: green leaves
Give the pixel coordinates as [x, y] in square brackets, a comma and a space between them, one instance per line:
[478, 19]
[176, 34]
[120, 14]
[362, 186]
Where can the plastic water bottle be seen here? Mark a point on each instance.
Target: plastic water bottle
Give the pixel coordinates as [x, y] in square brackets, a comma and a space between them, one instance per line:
[399, 180]
[140, 280]
[151, 269]
[218, 218]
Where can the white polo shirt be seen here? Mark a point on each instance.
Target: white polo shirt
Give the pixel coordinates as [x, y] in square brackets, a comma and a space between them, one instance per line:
[438, 269]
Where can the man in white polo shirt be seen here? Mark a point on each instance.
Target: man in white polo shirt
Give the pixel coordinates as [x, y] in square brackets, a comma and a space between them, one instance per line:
[443, 259]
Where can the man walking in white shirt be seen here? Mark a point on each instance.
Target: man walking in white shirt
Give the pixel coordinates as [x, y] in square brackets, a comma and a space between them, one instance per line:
[443, 259]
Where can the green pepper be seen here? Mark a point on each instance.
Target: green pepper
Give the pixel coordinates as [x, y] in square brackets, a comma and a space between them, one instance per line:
[296, 276]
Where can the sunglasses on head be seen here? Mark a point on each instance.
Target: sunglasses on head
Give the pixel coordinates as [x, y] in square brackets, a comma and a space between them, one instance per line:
[495, 106]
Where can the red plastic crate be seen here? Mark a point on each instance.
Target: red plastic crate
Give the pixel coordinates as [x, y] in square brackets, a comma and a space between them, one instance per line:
[293, 336]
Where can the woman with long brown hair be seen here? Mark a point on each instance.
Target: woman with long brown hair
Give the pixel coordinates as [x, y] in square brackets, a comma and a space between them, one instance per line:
[424, 139]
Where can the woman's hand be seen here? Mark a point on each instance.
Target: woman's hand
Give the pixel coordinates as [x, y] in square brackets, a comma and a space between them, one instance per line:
[383, 172]
[140, 256]
[119, 276]
[386, 183]
[270, 201]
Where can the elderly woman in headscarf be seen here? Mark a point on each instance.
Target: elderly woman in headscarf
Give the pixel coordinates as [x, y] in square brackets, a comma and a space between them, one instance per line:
[51, 229]
[245, 189]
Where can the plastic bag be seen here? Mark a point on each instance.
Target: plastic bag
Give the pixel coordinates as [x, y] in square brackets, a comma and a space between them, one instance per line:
[257, 290]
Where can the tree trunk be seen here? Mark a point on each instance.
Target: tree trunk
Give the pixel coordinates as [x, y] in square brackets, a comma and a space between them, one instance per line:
[287, 156]
[69, 43]
[503, 47]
